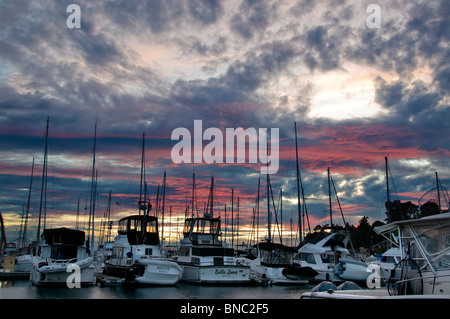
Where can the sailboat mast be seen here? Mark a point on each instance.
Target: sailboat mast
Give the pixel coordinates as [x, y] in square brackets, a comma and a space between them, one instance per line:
[329, 198]
[212, 196]
[387, 179]
[77, 225]
[193, 193]
[163, 207]
[298, 186]
[257, 209]
[25, 225]
[44, 177]
[93, 189]
[232, 217]
[142, 172]
[269, 219]
[281, 214]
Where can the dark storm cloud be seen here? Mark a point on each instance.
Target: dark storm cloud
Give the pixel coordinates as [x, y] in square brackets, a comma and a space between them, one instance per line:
[76, 76]
[253, 18]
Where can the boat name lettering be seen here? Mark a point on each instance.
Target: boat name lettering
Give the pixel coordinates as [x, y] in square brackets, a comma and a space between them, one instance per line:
[165, 268]
[226, 272]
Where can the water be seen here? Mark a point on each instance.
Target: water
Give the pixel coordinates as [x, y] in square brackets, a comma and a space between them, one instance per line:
[23, 289]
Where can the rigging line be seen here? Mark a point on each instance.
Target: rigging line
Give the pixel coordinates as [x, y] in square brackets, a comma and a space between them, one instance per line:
[338, 201]
[393, 182]
[275, 212]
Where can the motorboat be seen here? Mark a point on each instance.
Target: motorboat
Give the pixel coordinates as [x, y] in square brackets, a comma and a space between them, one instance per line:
[332, 260]
[273, 265]
[423, 271]
[389, 259]
[159, 271]
[62, 258]
[136, 253]
[205, 259]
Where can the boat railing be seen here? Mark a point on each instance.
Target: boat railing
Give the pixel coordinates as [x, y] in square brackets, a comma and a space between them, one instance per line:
[61, 261]
[411, 280]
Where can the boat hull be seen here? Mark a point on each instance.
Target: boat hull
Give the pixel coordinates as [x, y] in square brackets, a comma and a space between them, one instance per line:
[60, 274]
[274, 275]
[216, 274]
[127, 272]
[353, 270]
[159, 272]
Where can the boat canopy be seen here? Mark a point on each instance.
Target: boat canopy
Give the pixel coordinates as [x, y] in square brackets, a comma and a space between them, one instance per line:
[438, 218]
[426, 240]
[269, 246]
[63, 236]
[273, 254]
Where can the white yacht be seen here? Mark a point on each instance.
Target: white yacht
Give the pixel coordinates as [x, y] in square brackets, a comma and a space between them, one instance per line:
[424, 269]
[62, 258]
[331, 260]
[389, 259]
[136, 253]
[205, 259]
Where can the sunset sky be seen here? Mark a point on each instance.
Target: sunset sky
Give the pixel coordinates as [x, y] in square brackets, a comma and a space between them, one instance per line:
[357, 93]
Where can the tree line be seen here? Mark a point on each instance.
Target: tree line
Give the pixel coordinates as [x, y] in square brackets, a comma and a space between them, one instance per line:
[364, 236]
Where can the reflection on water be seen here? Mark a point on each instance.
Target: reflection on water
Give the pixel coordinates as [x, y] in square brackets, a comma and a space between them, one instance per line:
[23, 289]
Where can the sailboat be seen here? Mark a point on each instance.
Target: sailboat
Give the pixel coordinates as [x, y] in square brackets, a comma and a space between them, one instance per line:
[204, 257]
[23, 258]
[136, 252]
[330, 257]
[272, 262]
[63, 256]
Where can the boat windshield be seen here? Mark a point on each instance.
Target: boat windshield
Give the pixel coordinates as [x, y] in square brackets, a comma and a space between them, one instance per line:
[433, 244]
[134, 224]
[63, 252]
[207, 226]
[275, 257]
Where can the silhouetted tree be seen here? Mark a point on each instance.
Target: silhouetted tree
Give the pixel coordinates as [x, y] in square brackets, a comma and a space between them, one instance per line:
[429, 208]
[397, 210]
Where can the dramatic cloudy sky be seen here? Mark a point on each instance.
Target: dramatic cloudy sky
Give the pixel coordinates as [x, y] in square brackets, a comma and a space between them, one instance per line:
[357, 93]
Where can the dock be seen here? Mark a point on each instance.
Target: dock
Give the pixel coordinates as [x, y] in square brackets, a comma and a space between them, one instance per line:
[104, 280]
[11, 275]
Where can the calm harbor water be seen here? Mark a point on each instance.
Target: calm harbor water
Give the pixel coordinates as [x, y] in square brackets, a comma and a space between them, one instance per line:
[23, 289]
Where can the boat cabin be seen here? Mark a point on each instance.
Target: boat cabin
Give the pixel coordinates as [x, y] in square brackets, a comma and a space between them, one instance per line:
[203, 231]
[202, 244]
[273, 254]
[137, 234]
[424, 245]
[62, 243]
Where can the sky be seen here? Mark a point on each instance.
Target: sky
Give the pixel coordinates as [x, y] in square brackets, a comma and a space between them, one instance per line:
[357, 91]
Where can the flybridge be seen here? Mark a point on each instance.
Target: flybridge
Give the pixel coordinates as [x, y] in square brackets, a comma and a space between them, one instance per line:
[213, 152]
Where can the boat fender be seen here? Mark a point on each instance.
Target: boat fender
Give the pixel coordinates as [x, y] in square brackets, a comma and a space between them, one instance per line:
[129, 254]
[324, 286]
[348, 285]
